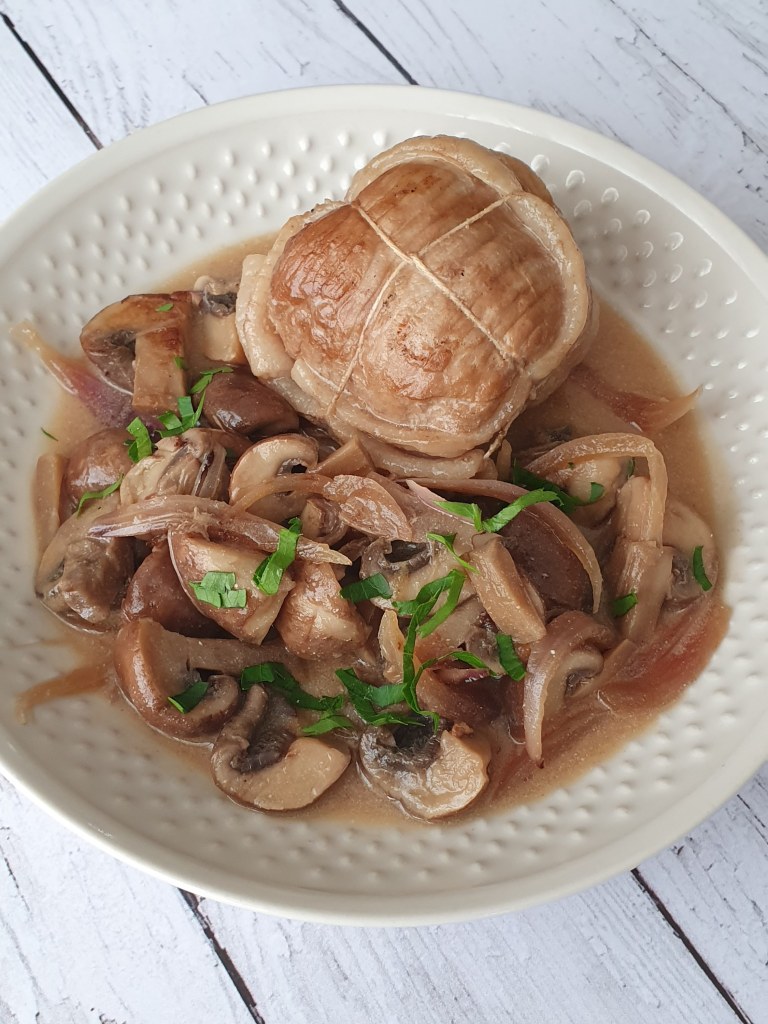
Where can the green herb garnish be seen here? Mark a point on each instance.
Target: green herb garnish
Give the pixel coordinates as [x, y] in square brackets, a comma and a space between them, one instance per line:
[165, 308]
[188, 416]
[630, 468]
[96, 495]
[269, 573]
[524, 478]
[447, 540]
[623, 604]
[218, 589]
[429, 593]
[364, 590]
[48, 434]
[189, 698]
[368, 701]
[142, 445]
[699, 573]
[469, 510]
[277, 676]
[327, 722]
[206, 377]
[508, 657]
[180, 363]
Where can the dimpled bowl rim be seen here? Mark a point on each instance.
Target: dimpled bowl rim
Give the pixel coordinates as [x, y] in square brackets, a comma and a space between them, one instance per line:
[675, 815]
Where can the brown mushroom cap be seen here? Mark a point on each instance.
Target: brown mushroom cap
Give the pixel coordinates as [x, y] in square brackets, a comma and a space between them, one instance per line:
[190, 463]
[109, 339]
[238, 402]
[81, 578]
[154, 664]
[155, 592]
[265, 461]
[260, 760]
[430, 777]
[96, 462]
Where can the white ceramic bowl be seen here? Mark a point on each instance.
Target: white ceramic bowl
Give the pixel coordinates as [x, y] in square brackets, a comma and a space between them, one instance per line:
[686, 276]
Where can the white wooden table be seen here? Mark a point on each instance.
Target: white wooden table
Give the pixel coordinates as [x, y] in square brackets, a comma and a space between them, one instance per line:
[682, 938]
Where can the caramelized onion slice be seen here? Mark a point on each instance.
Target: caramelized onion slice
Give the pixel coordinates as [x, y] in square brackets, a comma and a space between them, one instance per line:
[365, 505]
[156, 516]
[569, 655]
[561, 526]
[648, 415]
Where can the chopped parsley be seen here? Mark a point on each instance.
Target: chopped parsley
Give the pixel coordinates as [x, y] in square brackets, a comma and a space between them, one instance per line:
[165, 308]
[142, 445]
[623, 604]
[180, 363]
[567, 502]
[699, 573]
[188, 416]
[48, 434]
[508, 657]
[269, 573]
[448, 540]
[470, 510]
[363, 590]
[277, 676]
[189, 698]
[97, 495]
[218, 589]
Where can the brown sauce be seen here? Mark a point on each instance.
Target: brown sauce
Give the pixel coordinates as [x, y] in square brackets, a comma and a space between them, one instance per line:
[589, 729]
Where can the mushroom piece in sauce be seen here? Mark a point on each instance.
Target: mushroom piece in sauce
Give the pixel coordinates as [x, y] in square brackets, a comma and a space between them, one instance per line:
[430, 776]
[154, 664]
[81, 578]
[139, 344]
[238, 402]
[95, 463]
[260, 759]
[265, 461]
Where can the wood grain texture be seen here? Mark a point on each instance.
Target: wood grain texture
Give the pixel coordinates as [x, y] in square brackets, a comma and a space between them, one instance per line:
[38, 136]
[593, 957]
[128, 65]
[83, 938]
[688, 91]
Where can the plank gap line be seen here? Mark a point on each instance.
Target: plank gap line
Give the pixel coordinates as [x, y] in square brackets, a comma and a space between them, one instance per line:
[701, 963]
[193, 902]
[376, 42]
[71, 108]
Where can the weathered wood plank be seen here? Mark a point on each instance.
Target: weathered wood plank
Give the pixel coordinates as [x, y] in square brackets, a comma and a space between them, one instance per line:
[83, 938]
[149, 61]
[714, 884]
[606, 955]
[38, 136]
[686, 90]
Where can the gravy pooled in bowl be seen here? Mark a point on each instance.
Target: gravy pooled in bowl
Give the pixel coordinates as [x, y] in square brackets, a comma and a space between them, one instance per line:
[352, 610]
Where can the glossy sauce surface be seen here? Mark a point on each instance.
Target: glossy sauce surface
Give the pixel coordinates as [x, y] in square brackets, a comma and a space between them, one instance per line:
[590, 728]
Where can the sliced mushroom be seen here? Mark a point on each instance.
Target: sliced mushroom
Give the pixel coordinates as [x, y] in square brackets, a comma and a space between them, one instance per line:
[504, 592]
[155, 592]
[315, 621]
[260, 760]
[154, 664]
[96, 462]
[684, 531]
[406, 565]
[563, 662]
[350, 459]
[217, 329]
[194, 462]
[429, 777]
[238, 402]
[193, 556]
[138, 346]
[265, 461]
[81, 578]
